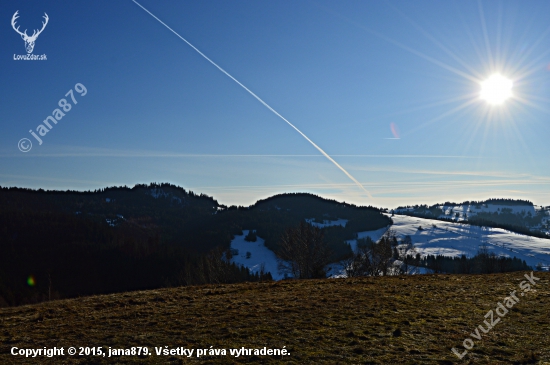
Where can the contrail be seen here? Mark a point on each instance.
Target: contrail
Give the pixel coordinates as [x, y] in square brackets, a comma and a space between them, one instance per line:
[261, 101]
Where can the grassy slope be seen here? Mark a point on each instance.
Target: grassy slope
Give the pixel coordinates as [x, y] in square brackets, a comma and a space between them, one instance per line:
[320, 321]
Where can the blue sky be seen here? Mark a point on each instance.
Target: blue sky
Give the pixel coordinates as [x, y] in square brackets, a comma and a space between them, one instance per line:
[388, 89]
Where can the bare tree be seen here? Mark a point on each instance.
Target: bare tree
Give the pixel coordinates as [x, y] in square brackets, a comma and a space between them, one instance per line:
[373, 259]
[304, 252]
[405, 251]
[382, 254]
[359, 263]
[351, 265]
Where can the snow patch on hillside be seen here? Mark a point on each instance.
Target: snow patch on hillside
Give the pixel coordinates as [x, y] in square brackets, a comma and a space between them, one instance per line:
[259, 255]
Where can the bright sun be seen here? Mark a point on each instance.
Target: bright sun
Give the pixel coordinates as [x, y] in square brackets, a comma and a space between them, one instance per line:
[496, 89]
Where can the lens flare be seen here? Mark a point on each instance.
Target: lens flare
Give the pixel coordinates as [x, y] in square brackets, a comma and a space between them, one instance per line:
[394, 130]
[31, 281]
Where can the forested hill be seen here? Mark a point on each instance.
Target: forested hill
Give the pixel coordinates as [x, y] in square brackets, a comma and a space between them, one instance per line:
[270, 217]
[168, 214]
[162, 212]
[57, 244]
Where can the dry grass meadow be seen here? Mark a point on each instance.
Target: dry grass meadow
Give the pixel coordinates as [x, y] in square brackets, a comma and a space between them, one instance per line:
[384, 320]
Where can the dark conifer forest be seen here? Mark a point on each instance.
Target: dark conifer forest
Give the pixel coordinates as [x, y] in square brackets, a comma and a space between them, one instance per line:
[61, 244]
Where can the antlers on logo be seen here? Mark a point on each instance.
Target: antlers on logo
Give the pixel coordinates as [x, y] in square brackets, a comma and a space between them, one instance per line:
[29, 41]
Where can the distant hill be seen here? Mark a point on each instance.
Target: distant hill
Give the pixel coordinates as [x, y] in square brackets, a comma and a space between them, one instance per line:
[520, 216]
[270, 217]
[59, 244]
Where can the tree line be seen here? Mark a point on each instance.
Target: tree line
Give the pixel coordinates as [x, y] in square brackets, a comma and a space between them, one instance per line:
[62, 244]
[305, 256]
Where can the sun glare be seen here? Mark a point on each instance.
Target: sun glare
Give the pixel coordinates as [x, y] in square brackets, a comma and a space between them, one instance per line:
[496, 89]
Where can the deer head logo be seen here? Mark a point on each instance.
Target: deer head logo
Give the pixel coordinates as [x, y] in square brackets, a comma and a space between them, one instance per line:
[29, 41]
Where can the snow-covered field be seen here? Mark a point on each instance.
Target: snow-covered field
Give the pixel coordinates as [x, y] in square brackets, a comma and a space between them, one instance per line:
[455, 239]
[435, 238]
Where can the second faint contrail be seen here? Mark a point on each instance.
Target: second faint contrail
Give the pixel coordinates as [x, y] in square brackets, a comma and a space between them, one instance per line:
[261, 101]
